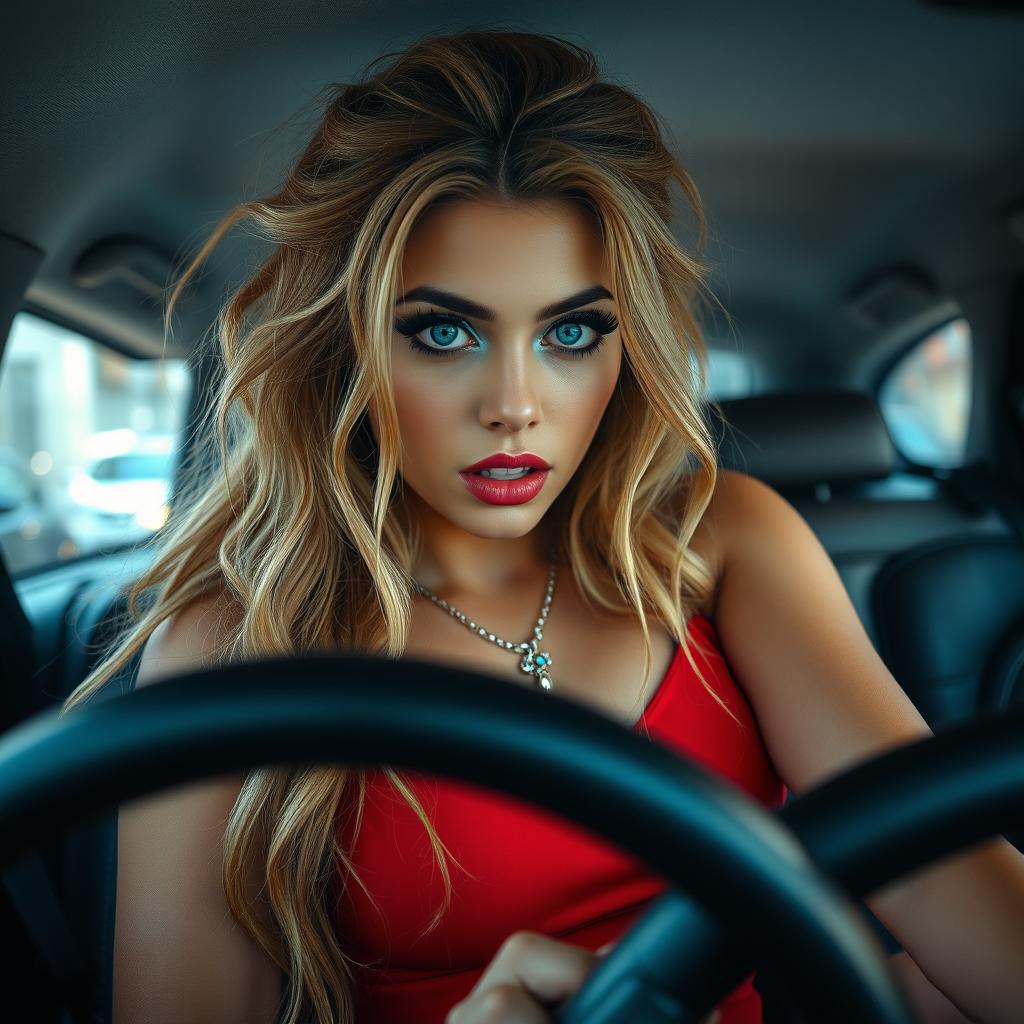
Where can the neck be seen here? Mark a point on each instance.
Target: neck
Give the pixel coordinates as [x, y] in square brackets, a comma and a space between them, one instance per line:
[453, 561]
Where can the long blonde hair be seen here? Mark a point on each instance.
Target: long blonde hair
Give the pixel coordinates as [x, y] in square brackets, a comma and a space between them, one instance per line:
[299, 520]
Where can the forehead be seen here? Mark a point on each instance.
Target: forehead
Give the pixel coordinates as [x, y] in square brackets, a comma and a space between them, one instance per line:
[495, 252]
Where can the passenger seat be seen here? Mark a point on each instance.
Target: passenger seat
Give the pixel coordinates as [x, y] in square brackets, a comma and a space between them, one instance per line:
[830, 455]
[938, 585]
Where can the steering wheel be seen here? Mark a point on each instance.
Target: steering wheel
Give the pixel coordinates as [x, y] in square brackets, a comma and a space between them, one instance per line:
[866, 827]
[744, 867]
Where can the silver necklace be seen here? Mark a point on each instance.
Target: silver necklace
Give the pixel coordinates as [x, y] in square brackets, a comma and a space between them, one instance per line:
[534, 662]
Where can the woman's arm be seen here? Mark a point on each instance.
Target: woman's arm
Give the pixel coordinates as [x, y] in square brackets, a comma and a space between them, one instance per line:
[179, 954]
[930, 1006]
[825, 701]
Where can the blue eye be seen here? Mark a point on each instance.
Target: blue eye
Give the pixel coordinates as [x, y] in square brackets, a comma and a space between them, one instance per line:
[447, 328]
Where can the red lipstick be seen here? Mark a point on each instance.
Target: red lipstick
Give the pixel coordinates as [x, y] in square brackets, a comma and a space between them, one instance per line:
[503, 460]
[506, 492]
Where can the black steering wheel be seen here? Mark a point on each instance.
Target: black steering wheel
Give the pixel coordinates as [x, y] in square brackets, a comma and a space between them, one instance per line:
[761, 897]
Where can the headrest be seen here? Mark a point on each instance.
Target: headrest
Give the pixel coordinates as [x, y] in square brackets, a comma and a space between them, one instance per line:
[798, 439]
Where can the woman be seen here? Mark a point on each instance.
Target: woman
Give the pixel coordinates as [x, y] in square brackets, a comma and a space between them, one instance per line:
[473, 258]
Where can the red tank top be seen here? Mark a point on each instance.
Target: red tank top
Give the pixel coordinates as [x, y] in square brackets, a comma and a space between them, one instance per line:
[530, 870]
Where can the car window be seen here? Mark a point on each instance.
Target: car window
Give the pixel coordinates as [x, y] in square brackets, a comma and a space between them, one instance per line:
[926, 397]
[88, 444]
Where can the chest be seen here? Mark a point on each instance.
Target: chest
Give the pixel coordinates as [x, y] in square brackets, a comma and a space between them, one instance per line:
[597, 658]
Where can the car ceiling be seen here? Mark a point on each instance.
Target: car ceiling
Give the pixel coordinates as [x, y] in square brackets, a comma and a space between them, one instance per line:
[831, 143]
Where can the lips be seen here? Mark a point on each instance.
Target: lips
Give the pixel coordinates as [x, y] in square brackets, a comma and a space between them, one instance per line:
[505, 492]
[502, 460]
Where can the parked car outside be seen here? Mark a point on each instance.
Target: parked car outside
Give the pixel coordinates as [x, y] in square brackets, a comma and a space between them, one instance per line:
[121, 497]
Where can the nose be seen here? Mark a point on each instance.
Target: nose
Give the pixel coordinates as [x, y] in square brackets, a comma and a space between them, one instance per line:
[511, 396]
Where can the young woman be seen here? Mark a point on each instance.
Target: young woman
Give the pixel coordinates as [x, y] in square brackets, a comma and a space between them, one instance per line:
[473, 263]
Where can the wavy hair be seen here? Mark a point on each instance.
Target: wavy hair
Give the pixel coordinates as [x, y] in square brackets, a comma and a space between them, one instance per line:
[298, 519]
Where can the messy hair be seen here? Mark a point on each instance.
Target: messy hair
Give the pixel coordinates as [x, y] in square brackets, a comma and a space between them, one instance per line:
[296, 513]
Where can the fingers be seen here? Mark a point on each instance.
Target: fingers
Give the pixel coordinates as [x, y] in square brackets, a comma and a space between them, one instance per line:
[500, 1004]
[530, 971]
[530, 974]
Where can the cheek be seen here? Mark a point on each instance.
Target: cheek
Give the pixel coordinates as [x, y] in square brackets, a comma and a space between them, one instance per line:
[590, 395]
[422, 413]
[591, 411]
[598, 399]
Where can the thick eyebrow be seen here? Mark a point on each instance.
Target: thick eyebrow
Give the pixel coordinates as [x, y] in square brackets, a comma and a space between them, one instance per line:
[468, 308]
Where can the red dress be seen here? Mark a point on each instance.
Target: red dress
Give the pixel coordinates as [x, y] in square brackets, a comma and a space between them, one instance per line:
[531, 869]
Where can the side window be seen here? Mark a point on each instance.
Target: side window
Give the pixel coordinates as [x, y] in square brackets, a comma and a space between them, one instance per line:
[926, 397]
[88, 444]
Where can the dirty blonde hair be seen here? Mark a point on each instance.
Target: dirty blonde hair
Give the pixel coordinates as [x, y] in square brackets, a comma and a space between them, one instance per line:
[296, 515]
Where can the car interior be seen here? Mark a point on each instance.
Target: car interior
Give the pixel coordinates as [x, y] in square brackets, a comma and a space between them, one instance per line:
[861, 165]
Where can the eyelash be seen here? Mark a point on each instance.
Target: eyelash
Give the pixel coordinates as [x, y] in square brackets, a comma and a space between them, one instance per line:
[598, 320]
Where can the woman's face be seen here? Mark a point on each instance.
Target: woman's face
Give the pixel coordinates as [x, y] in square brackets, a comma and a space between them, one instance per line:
[509, 377]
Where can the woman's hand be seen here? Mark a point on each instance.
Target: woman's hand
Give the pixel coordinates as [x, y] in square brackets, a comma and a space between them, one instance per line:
[529, 973]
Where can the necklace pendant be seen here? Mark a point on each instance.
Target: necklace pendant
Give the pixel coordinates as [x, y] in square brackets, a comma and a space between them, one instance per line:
[537, 663]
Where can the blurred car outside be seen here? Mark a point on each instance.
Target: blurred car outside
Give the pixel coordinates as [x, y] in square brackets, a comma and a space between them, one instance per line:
[123, 494]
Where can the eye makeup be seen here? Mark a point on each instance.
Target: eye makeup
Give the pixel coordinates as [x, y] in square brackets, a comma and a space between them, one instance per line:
[599, 321]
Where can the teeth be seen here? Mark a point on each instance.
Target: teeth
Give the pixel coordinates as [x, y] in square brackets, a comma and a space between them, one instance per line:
[505, 474]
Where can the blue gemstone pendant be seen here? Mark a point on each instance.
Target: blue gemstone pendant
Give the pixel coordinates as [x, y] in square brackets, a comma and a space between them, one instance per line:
[537, 664]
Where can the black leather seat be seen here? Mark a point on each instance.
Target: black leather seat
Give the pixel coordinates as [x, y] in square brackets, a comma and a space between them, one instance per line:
[951, 621]
[83, 864]
[80, 868]
[951, 617]
[830, 455]
[939, 588]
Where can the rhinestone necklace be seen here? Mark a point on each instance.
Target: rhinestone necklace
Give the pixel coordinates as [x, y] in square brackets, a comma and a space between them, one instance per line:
[534, 662]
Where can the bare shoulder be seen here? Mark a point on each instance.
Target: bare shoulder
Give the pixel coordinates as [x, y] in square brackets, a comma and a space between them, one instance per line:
[735, 496]
[191, 637]
[179, 951]
[735, 504]
[749, 510]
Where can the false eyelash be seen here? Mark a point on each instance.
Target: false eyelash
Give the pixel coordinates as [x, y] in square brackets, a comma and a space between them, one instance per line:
[599, 320]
